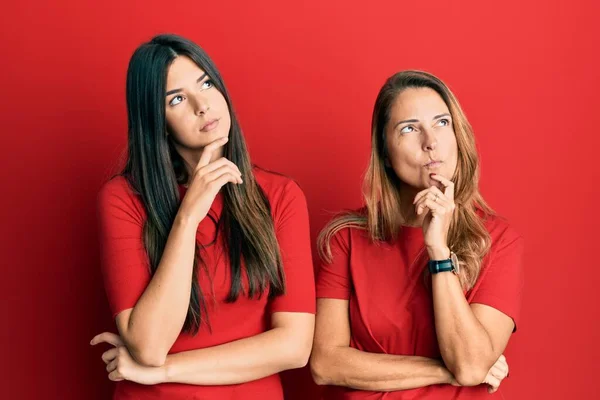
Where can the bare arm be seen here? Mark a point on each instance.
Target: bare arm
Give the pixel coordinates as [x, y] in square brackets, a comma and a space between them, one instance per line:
[334, 362]
[151, 327]
[286, 346]
[471, 337]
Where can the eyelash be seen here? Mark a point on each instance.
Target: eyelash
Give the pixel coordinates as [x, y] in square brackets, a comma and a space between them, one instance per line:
[181, 97]
[176, 97]
[446, 120]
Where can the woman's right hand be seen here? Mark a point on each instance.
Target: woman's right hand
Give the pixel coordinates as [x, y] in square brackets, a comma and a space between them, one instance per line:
[496, 374]
[206, 181]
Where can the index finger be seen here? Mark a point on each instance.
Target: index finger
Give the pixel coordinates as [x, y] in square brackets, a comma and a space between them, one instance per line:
[448, 184]
[109, 338]
[209, 149]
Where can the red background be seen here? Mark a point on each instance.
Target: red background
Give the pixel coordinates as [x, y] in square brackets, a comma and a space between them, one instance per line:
[303, 79]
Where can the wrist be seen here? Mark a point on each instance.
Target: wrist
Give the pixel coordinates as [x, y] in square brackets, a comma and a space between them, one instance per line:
[166, 373]
[185, 221]
[444, 375]
[438, 253]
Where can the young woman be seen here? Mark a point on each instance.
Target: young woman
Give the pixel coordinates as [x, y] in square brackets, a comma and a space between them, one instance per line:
[206, 259]
[419, 291]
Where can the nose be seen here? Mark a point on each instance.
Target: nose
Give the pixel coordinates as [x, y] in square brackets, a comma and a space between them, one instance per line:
[429, 140]
[200, 105]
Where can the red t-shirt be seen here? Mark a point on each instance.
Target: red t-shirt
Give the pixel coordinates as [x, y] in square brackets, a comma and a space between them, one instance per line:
[126, 275]
[390, 304]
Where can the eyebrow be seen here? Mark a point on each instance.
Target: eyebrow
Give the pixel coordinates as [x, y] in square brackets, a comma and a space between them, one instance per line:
[170, 92]
[405, 122]
[412, 121]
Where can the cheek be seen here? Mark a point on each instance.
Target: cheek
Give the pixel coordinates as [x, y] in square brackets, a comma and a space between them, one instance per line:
[453, 150]
[450, 156]
[403, 153]
[179, 122]
[403, 160]
[223, 110]
[221, 104]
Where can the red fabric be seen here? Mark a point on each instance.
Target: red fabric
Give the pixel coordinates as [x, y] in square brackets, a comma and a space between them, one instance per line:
[391, 309]
[126, 275]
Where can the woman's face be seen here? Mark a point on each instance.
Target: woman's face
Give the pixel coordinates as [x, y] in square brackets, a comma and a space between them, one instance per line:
[196, 111]
[420, 138]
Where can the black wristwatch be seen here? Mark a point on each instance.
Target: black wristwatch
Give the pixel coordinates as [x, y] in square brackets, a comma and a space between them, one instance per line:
[448, 265]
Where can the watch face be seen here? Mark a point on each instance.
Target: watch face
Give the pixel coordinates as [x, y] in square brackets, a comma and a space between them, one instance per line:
[455, 263]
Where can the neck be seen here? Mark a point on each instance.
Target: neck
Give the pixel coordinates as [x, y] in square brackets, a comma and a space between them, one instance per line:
[407, 208]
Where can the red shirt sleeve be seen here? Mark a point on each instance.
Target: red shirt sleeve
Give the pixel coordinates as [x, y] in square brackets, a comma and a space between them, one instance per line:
[333, 279]
[501, 282]
[293, 235]
[124, 262]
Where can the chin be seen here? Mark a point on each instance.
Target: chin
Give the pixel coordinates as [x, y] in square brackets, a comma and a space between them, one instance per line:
[207, 137]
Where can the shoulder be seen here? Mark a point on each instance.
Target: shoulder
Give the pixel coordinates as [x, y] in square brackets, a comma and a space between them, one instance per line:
[502, 233]
[278, 187]
[116, 188]
[348, 229]
[118, 196]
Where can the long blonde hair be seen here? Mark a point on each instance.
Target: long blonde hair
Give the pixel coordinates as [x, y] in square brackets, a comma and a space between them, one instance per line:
[381, 217]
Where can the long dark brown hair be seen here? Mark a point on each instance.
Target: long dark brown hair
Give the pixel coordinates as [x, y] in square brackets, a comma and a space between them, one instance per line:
[468, 237]
[154, 169]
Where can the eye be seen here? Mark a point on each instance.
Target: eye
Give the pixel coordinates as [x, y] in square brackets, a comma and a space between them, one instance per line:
[207, 84]
[176, 100]
[407, 129]
[444, 122]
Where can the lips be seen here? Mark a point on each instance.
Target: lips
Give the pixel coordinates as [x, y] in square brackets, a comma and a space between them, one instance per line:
[433, 164]
[209, 125]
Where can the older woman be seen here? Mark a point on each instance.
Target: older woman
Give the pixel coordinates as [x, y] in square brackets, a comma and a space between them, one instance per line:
[419, 291]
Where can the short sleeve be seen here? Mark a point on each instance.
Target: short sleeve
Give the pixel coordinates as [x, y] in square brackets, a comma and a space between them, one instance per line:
[333, 279]
[502, 278]
[293, 235]
[124, 261]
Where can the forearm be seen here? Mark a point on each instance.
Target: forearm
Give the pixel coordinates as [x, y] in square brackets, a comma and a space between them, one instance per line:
[464, 343]
[236, 362]
[349, 367]
[159, 315]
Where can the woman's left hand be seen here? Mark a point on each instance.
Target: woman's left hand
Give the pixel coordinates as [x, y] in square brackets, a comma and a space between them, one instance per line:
[439, 208]
[121, 366]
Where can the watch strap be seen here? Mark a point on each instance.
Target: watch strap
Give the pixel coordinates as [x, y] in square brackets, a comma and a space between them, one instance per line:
[437, 266]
